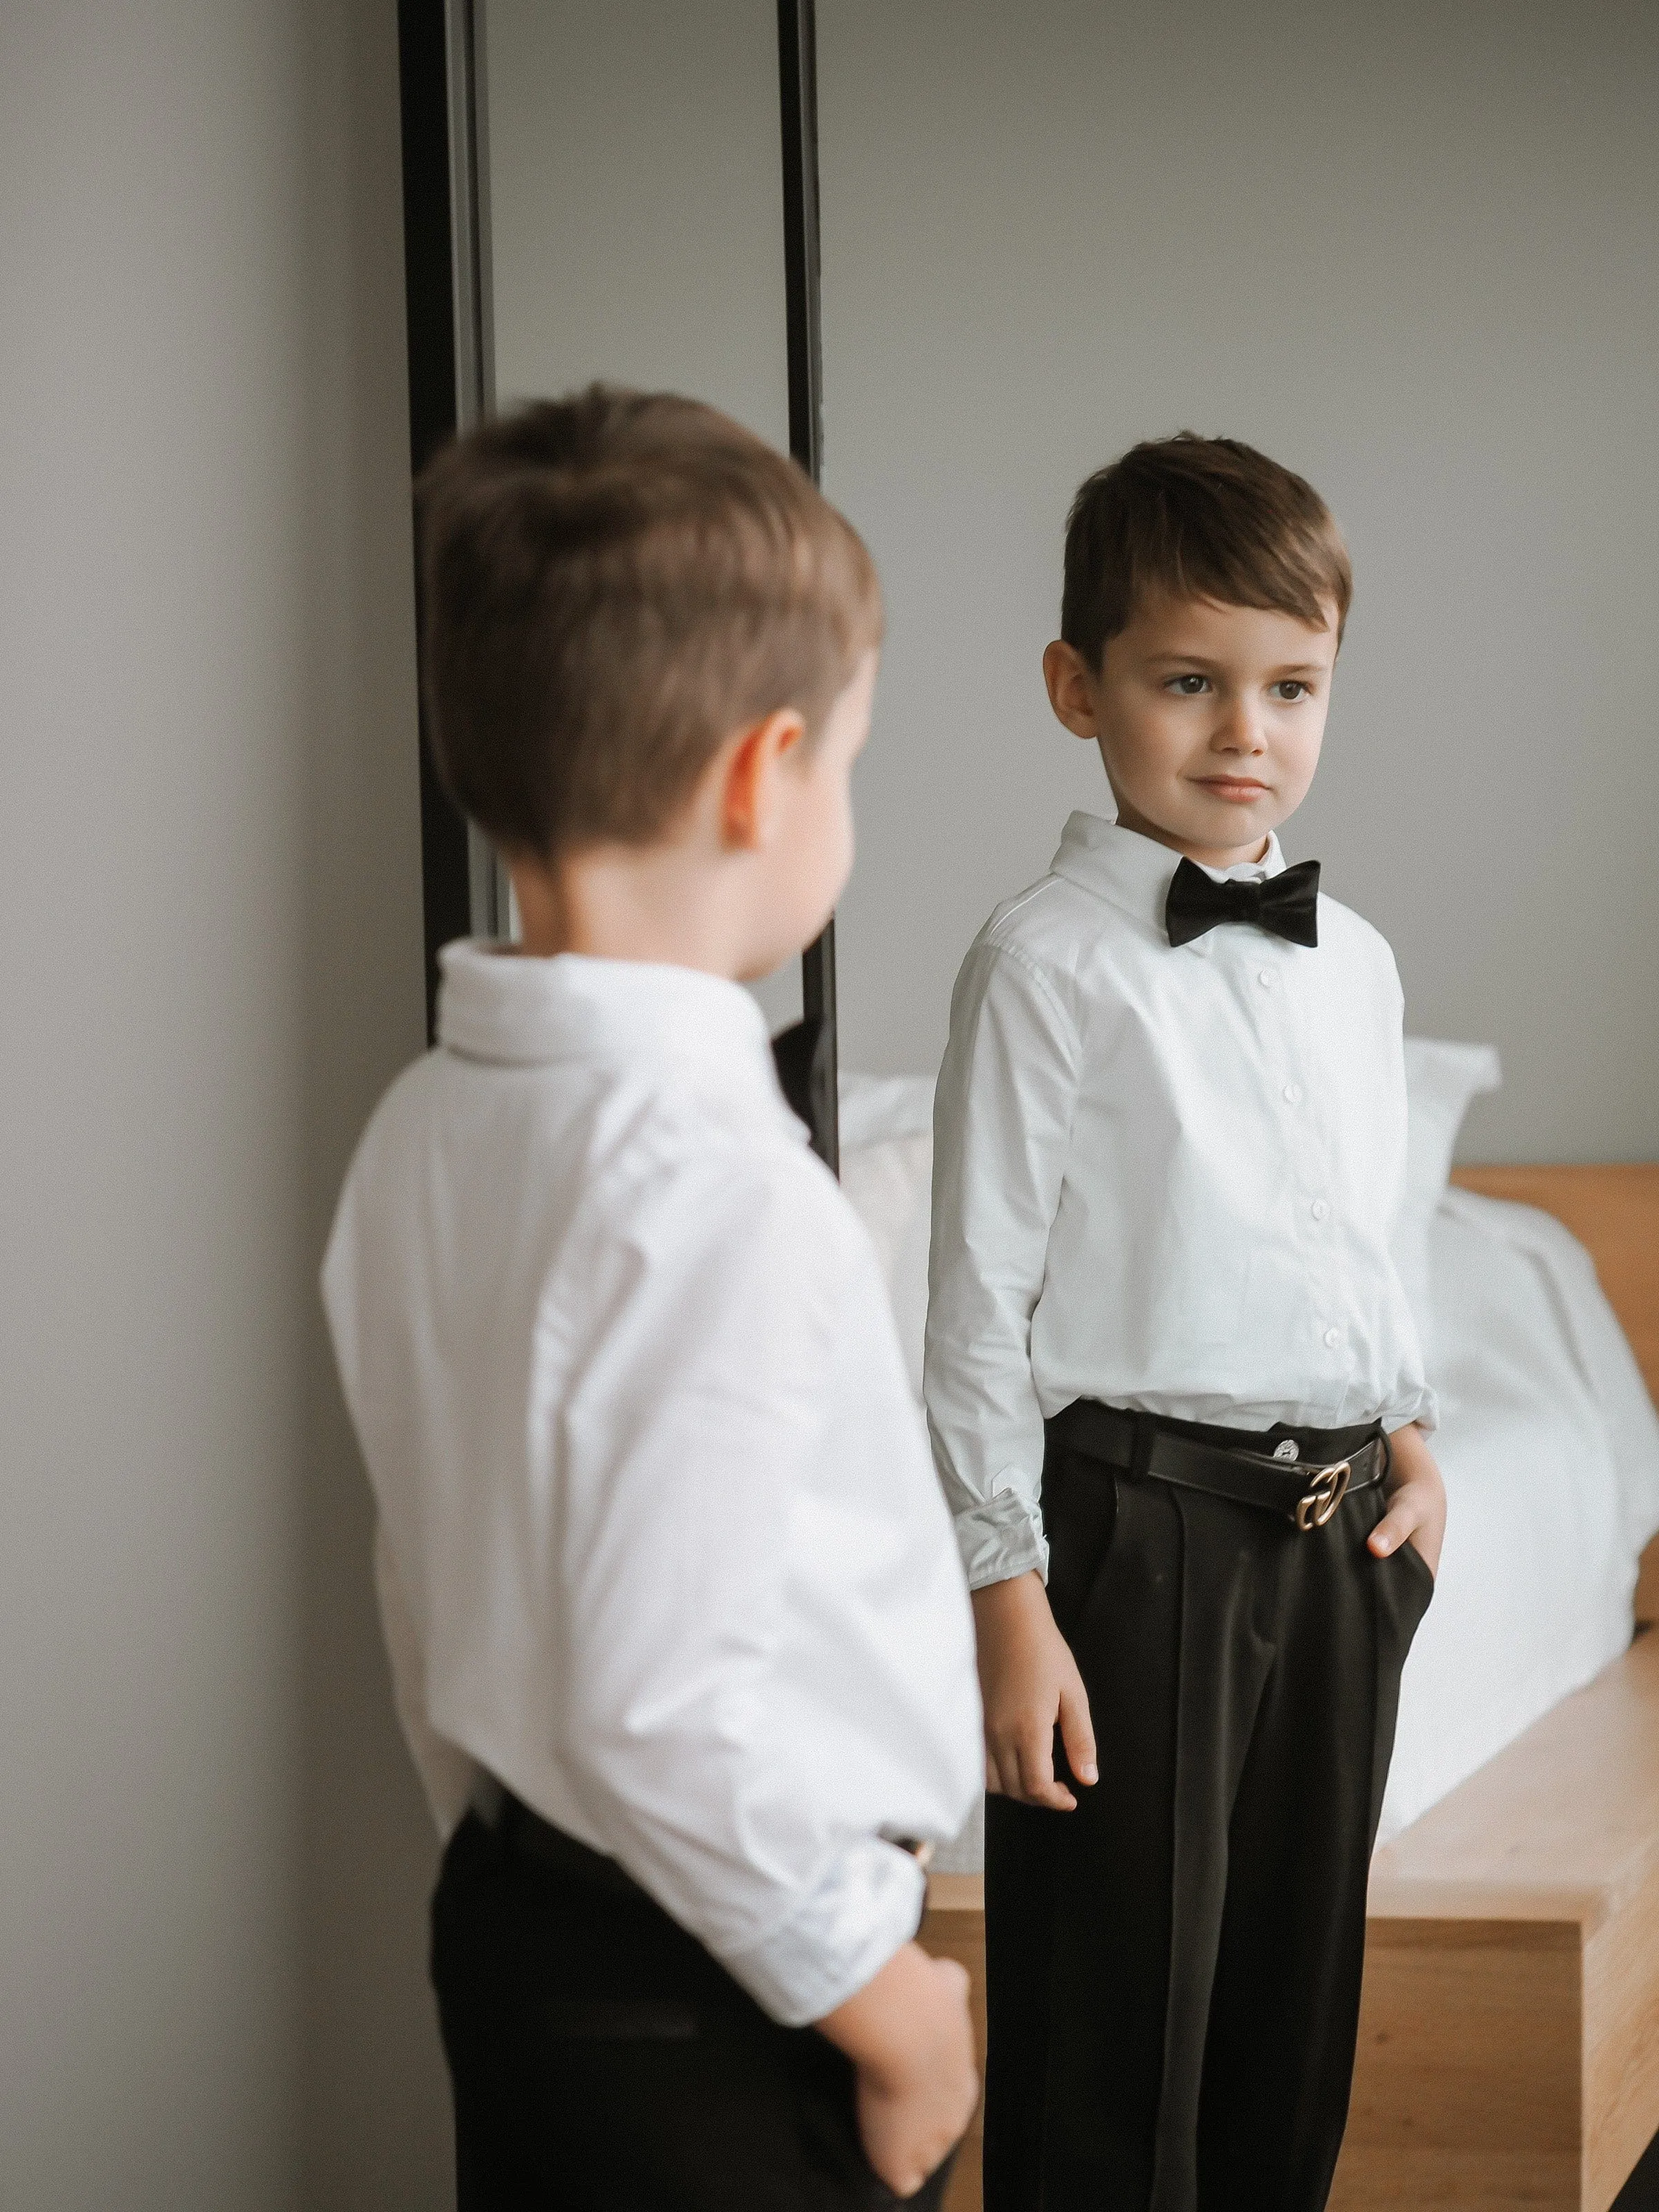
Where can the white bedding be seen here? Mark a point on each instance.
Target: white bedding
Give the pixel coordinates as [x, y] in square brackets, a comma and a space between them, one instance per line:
[1550, 1449]
[1548, 1443]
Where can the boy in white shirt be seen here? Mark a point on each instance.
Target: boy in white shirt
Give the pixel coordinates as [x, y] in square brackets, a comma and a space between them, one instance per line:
[1165, 1344]
[679, 1635]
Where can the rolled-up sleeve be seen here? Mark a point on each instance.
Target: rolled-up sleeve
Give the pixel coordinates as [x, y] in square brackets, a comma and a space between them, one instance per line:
[687, 1441]
[841, 1935]
[1002, 1125]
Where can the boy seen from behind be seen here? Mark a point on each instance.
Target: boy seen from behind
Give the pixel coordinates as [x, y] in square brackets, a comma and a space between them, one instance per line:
[679, 1635]
[1176, 1392]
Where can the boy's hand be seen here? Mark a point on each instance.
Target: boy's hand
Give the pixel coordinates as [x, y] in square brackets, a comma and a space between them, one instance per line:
[1030, 1681]
[1417, 1500]
[910, 2038]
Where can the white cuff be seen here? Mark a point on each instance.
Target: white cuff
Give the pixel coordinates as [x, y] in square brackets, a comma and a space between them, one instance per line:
[865, 1908]
[1001, 1539]
[1424, 1409]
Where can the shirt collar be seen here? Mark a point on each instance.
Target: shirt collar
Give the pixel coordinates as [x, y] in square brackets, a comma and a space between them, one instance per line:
[1135, 873]
[519, 1011]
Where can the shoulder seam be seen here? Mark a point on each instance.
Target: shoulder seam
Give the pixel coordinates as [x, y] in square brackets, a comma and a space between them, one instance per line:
[1022, 960]
[1022, 899]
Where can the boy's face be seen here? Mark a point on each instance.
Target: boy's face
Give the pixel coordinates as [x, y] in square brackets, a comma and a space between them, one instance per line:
[1209, 719]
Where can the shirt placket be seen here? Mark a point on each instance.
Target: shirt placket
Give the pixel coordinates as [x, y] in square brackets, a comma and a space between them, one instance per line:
[1300, 1115]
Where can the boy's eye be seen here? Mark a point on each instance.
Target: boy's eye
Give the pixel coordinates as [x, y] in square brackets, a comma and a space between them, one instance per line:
[1292, 689]
[1187, 687]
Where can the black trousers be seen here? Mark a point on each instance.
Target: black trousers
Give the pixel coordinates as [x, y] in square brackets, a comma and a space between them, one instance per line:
[1173, 1969]
[600, 2057]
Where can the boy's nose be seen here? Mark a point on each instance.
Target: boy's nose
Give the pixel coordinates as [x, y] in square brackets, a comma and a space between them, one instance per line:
[1236, 732]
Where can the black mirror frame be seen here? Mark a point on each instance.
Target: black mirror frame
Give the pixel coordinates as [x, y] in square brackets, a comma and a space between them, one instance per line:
[446, 272]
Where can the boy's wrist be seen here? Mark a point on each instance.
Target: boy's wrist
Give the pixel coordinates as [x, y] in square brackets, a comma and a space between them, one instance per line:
[1012, 1622]
[876, 2027]
[1014, 1596]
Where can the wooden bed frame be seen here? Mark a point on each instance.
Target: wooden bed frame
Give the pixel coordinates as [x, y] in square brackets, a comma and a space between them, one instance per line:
[1508, 2035]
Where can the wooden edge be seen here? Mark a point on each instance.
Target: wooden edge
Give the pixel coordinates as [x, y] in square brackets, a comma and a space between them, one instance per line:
[1621, 2044]
[1647, 1588]
[1562, 1824]
[955, 1893]
[1449, 1915]
[1432, 1928]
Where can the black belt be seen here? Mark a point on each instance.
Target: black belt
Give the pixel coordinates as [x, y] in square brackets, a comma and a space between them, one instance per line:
[1307, 1491]
[514, 1825]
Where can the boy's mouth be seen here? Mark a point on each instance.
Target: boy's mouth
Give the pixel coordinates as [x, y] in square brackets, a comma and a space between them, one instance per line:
[1240, 789]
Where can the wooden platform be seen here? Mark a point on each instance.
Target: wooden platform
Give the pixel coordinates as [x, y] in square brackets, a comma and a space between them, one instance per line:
[1509, 2051]
[1508, 2046]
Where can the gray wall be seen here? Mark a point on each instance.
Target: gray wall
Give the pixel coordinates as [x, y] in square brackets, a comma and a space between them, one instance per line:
[212, 1857]
[1411, 250]
[636, 214]
[374, 2126]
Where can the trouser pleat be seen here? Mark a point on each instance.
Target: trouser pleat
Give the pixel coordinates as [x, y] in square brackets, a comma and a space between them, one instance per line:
[1222, 1663]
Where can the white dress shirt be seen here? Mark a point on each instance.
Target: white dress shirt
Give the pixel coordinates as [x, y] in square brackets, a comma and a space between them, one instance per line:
[661, 1544]
[1165, 1177]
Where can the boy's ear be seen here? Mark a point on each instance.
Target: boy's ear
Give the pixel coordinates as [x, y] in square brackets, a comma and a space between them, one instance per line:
[754, 758]
[1070, 688]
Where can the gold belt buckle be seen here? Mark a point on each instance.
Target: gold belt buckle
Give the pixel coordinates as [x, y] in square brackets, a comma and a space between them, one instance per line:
[1327, 1490]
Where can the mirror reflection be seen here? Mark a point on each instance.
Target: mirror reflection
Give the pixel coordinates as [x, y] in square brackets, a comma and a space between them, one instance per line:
[1197, 1183]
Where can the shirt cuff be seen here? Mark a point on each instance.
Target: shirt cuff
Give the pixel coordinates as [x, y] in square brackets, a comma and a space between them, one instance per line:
[1424, 1408]
[865, 1908]
[1001, 1539]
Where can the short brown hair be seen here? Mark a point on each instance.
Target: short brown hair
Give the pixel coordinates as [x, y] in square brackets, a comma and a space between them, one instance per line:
[1200, 518]
[611, 583]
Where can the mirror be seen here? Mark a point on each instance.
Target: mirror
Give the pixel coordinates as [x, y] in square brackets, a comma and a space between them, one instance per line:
[1408, 251]
[1421, 278]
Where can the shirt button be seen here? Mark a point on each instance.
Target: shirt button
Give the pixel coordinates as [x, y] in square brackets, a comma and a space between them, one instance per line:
[1319, 1209]
[1293, 1092]
[1333, 1338]
[1267, 977]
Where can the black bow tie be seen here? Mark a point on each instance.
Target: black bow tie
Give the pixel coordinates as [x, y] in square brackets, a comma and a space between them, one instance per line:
[1287, 904]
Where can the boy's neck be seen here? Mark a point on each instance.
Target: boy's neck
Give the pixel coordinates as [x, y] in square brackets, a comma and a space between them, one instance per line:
[625, 902]
[1252, 851]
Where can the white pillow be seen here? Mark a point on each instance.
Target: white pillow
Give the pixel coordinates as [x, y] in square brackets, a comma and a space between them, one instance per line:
[887, 1172]
[1441, 1081]
[876, 1107]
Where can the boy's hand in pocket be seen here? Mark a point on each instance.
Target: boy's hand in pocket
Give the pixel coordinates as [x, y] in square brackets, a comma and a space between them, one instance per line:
[1029, 1683]
[1416, 1500]
[909, 2035]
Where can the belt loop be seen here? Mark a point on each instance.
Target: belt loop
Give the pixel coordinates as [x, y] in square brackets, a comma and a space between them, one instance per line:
[1144, 1437]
